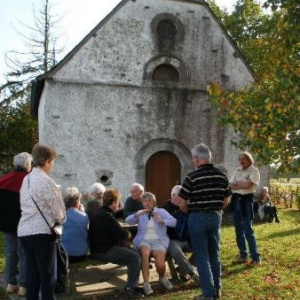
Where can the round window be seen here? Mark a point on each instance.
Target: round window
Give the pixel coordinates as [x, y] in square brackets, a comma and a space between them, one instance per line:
[166, 30]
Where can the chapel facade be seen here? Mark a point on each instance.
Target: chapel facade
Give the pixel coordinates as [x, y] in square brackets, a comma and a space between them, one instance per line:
[130, 100]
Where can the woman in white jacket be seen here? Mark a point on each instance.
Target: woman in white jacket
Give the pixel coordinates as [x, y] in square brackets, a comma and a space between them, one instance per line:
[152, 238]
[34, 232]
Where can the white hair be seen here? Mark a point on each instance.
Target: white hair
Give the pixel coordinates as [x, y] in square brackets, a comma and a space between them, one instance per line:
[72, 191]
[139, 186]
[265, 189]
[248, 155]
[175, 190]
[22, 160]
[98, 188]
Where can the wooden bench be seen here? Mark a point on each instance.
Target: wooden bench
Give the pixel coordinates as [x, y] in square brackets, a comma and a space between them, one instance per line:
[75, 267]
[89, 262]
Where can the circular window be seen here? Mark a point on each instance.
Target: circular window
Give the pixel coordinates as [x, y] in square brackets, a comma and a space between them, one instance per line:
[166, 30]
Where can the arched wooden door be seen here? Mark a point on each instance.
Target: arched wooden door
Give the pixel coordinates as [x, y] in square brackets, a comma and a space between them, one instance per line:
[162, 173]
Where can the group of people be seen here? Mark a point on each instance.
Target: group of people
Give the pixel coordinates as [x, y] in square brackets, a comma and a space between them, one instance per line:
[189, 221]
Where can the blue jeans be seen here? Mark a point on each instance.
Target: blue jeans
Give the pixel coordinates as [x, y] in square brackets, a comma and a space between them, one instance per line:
[15, 260]
[204, 230]
[125, 257]
[243, 220]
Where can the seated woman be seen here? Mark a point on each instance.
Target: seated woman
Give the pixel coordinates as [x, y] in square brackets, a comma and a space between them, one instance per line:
[75, 231]
[266, 207]
[152, 238]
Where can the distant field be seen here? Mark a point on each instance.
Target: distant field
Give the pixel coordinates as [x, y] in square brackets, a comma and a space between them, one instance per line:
[292, 181]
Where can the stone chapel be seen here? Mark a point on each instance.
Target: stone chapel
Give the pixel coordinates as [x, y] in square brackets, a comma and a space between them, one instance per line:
[130, 100]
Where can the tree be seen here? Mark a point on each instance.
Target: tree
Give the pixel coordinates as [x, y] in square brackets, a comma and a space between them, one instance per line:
[18, 130]
[266, 115]
[39, 57]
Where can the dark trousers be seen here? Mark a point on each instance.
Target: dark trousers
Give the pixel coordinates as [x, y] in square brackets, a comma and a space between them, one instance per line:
[40, 251]
[272, 211]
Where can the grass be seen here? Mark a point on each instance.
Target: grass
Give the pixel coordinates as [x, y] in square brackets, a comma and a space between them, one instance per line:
[279, 275]
[277, 278]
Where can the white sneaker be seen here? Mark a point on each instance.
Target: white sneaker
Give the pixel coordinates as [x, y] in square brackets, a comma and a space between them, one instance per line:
[147, 289]
[22, 291]
[166, 283]
[11, 289]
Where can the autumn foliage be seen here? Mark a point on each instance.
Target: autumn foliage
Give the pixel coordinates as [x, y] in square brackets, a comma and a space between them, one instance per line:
[266, 116]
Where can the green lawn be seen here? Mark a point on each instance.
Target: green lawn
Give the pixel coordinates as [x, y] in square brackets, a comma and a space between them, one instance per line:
[277, 278]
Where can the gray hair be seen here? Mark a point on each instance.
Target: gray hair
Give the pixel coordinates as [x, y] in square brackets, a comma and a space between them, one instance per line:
[71, 200]
[71, 191]
[248, 155]
[22, 160]
[138, 185]
[175, 190]
[98, 188]
[148, 195]
[265, 189]
[202, 151]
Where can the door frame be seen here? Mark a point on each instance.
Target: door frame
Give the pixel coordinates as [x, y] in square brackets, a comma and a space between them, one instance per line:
[162, 144]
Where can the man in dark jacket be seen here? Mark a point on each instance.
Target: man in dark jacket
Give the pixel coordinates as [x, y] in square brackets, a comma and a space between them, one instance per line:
[106, 238]
[178, 238]
[10, 213]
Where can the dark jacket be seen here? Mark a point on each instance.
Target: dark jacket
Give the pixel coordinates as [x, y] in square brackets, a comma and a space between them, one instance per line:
[105, 231]
[10, 211]
[132, 206]
[180, 232]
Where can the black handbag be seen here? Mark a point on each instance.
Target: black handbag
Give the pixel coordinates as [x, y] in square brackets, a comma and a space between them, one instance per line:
[62, 281]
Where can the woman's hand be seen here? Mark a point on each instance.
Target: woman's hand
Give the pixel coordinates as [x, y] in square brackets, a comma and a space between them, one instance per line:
[158, 218]
[141, 212]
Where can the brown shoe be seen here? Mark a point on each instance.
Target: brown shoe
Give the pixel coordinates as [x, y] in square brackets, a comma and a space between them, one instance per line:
[254, 263]
[22, 291]
[242, 260]
[11, 289]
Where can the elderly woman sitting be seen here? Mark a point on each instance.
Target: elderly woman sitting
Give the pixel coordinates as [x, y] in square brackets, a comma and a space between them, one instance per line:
[75, 231]
[152, 238]
[266, 207]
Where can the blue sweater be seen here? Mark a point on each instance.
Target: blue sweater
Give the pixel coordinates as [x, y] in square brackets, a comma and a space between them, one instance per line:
[75, 233]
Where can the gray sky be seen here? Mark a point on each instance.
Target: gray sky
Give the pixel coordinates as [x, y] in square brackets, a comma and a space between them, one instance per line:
[80, 17]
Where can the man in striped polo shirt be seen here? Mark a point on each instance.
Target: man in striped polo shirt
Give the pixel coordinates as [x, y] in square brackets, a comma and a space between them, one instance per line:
[204, 194]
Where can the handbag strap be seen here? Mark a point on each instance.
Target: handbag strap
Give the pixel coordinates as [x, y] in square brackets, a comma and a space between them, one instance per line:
[38, 207]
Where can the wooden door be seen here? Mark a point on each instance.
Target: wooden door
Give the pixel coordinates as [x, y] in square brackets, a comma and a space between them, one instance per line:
[162, 173]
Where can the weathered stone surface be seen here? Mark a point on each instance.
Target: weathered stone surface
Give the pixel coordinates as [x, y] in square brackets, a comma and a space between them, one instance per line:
[102, 110]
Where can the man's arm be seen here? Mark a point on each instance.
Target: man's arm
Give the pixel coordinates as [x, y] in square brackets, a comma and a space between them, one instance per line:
[225, 202]
[242, 185]
[183, 204]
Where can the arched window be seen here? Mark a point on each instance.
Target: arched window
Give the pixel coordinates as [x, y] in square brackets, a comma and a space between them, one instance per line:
[165, 73]
[166, 30]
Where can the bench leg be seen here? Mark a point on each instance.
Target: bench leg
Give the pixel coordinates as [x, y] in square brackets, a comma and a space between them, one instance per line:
[72, 273]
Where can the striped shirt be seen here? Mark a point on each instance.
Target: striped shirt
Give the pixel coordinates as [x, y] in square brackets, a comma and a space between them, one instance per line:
[206, 189]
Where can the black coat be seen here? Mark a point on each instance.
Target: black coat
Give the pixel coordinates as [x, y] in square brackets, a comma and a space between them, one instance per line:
[105, 231]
